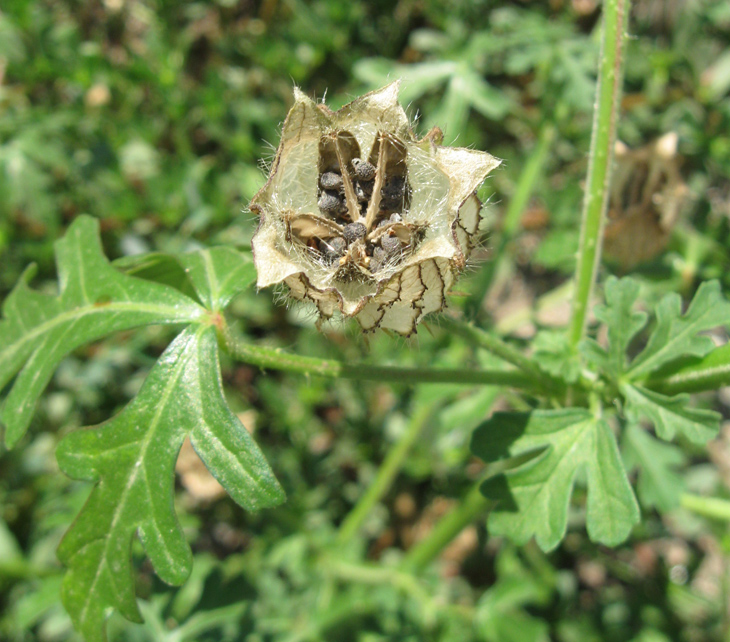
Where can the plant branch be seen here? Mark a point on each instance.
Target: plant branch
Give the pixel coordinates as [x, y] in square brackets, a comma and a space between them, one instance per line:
[277, 359]
[595, 204]
[501, 349]
[386, 474]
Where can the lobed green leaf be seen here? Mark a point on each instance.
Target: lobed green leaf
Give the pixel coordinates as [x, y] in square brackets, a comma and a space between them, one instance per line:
[671, 416]
[553, 354]
[534, 497]
[218, 274]
[676, 335]
[95, 300]
[132, 460]
[213, 276]
[659, 485]
[623, 324]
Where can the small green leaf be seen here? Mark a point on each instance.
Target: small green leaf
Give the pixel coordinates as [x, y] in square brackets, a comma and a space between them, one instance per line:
[659, 484]
[534, 497]
[695, 374]
[501, 612]
[676, 335]
[158, 267]
[132, 460]
[670, 415]
[218, 274]
[213, 276]
[483, 97]
[95, 300]
[622, 321]
[553, 354]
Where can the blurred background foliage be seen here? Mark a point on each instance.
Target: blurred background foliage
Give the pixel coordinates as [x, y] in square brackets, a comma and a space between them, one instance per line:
[154, 117]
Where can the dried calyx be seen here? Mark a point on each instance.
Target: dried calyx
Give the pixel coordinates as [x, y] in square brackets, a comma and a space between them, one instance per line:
[360, 217]
[647, 197]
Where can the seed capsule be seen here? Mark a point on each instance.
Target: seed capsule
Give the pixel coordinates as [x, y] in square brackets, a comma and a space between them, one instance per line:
[303, 209]
[363, 170]
[354, 231]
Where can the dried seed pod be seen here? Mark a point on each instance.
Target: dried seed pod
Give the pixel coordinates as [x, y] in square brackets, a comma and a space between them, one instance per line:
[647, 198]
[434, 218]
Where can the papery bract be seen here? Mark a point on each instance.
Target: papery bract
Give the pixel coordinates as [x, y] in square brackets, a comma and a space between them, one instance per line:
[360, 216]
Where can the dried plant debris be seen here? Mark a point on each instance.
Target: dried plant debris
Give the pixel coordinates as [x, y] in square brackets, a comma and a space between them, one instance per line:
[647, 197]
[361, 217]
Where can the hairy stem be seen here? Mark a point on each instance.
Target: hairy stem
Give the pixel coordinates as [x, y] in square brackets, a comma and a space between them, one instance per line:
[471, 507]
[595, 204]
[277, 359]
[386, 474]
[496, 346]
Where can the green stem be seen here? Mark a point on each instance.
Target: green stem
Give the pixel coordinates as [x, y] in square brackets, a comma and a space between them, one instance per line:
[377, 575]
[277, 359]
[526, 185]
[518, 203]
[696, 375]
[496, 346]
[386, 474]
[712, 507]
[595, 204]
[472, 506]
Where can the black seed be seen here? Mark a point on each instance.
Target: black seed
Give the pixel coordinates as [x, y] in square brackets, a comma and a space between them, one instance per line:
[394, 188]
[354, 231]
[329, 202]
[330, 180]
[377, 260]
[363, 170]
[364, 190]
[332, 249]
[390, 245]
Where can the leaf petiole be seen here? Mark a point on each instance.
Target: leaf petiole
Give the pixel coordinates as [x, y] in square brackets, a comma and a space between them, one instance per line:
[501, 349]
[277, 359]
